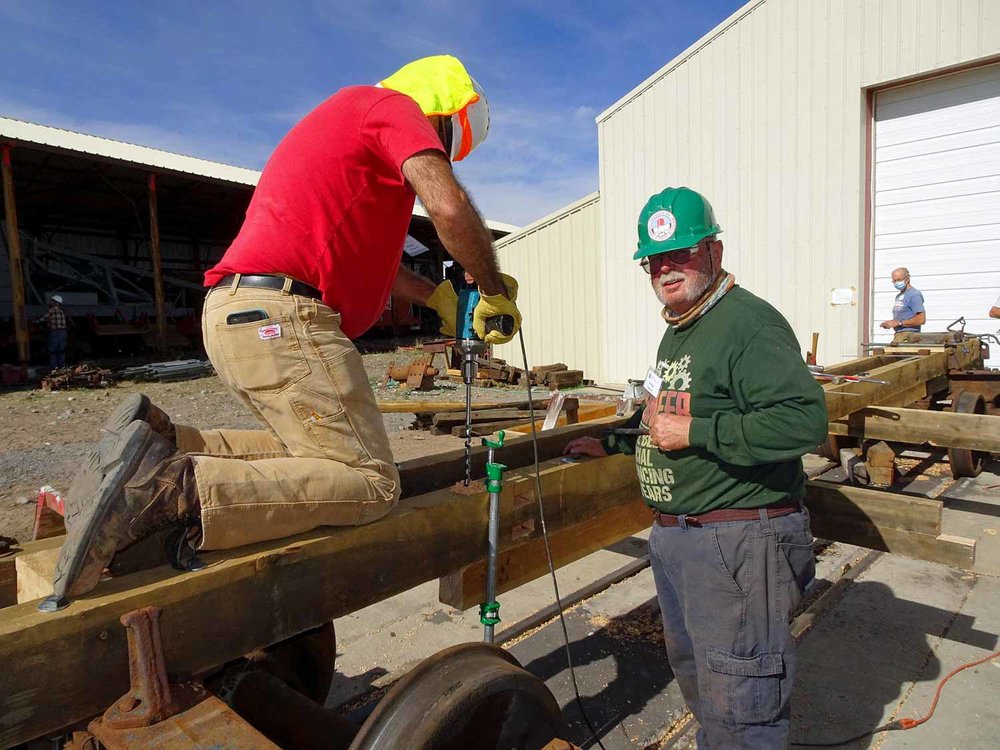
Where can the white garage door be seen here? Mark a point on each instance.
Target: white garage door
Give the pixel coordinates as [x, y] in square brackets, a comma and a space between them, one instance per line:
[937, 199]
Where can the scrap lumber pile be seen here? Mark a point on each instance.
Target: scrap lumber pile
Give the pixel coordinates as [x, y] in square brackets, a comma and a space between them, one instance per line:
[82, 376]
[492, 370]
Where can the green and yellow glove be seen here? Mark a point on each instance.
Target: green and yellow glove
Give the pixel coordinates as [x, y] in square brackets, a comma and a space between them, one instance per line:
[493, 305]
[444, 301]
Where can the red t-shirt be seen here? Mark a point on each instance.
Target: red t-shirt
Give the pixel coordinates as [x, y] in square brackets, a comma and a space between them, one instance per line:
[332, 207]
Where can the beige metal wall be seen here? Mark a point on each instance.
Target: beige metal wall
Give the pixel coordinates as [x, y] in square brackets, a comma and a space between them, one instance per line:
[766, 115]
[557, 263]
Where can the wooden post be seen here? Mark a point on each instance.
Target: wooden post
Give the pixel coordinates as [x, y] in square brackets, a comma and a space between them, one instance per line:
[154, 235]
[14, 252]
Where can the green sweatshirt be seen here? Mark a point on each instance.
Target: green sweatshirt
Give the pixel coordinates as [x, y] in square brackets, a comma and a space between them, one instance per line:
[755, 410]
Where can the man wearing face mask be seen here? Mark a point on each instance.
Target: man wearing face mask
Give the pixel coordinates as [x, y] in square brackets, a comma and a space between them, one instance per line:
[312, 267]
[908, 308]
[732, 410]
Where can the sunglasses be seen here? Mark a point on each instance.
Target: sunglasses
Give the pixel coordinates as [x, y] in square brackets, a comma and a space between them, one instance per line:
[653, 263]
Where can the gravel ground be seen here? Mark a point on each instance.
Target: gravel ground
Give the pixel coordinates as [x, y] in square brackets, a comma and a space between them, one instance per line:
[46, 434]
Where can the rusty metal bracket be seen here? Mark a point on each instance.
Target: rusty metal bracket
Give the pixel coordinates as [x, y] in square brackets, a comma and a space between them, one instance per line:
[159, 715]
[150, 700]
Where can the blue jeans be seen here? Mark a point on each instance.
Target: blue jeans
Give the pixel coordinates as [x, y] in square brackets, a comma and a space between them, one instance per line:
[57, 347]
[726, 593]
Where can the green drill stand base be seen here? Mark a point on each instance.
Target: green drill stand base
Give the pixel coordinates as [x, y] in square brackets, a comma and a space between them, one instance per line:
[489, 611]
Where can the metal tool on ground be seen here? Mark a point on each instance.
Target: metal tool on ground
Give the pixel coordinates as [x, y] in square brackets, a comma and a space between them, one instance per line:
[471, 346]
[489, 611]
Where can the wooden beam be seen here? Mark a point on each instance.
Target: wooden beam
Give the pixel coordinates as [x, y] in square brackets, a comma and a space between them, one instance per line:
[35, 572]
[943, 429]
[14, 259]
[904, 378]
[8, 567]
[64, 666]
[154, 248]
[873, 507]
[429, 473]
[526, 562]
[947, 549]
[438, 407]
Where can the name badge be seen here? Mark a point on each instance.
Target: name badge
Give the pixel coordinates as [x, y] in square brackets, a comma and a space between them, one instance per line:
[272, 331]
[653, 383]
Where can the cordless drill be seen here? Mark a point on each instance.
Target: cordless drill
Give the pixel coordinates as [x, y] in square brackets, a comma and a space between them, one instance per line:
[471, 347]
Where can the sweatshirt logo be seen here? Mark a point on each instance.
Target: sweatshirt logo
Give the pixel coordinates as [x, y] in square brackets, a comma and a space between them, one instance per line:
[674, 396]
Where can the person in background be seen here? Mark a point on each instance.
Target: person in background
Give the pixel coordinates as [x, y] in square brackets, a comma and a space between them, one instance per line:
[908, 310]
[55, 319]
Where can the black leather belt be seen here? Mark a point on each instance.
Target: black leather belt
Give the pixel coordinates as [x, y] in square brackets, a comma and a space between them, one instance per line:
[264, 281]
[783, 508]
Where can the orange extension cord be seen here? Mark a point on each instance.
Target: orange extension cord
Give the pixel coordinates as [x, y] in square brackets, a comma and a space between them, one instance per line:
[902, 724]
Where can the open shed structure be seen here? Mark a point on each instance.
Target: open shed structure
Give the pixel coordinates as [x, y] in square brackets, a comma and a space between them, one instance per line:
[123, 233]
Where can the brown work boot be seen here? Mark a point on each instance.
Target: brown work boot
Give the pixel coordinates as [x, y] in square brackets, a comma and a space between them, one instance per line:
[147, 486]
[135, 406]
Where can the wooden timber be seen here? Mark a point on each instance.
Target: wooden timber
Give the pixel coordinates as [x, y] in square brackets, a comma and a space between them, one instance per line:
[944, 429]
[432, 407]
[35, 572]
[905, 377]
[421, 475]
[155, 256]
[14, 257]
[526, 562]
[8, 567]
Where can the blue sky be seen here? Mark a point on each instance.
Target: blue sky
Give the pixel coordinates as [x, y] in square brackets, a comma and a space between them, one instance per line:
[225, 80]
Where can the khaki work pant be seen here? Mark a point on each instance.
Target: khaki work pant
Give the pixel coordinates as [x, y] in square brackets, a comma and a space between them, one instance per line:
[324, 459]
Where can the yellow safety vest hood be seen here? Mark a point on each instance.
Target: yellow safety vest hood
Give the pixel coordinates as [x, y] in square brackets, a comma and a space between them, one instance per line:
[440, 85]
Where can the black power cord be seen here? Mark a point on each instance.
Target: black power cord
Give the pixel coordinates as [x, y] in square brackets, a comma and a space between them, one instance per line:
[548, 551]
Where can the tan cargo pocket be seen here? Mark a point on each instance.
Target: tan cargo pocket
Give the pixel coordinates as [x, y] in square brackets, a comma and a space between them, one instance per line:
[264, 355]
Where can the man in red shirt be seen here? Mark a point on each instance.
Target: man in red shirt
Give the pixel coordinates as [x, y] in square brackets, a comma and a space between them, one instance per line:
[313, 265]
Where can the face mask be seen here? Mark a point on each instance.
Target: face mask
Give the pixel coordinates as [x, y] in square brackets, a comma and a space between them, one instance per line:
[900, 285]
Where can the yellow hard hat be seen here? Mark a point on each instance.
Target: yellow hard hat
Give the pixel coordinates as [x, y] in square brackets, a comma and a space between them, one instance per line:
[441, 86]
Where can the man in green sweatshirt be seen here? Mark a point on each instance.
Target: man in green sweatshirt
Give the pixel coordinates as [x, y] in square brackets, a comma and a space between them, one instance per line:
[732, 409]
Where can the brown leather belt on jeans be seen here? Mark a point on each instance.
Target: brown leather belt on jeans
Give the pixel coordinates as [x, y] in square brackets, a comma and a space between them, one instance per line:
[784, 508]
[265, 281]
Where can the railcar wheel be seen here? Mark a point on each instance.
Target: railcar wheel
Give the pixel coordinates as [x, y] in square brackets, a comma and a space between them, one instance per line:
[473, 696]
[966, 462]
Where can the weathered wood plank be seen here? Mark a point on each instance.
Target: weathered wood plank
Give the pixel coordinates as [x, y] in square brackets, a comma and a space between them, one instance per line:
[257, 595]
[432, 407]
[526, 562]
[903, 377]
[943, 548]
[35, 572]
[944, 429]
[8, 567]
[429, 473]
[875, 507]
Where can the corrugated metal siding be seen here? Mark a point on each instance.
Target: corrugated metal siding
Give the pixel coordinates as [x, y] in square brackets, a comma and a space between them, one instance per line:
[766, 116]
[557, 263]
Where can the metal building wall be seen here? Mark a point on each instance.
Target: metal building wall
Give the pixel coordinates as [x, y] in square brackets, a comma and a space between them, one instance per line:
[767, 116]
[557, 263]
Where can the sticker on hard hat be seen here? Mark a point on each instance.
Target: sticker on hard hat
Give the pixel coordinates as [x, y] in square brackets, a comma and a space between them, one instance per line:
[661, 226]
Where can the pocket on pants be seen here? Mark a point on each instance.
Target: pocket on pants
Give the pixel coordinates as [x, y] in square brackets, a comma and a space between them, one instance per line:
[263, 355]
[744, 689]
[796, 568]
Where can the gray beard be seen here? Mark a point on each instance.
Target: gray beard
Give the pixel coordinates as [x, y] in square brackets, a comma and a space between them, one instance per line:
[703, 282]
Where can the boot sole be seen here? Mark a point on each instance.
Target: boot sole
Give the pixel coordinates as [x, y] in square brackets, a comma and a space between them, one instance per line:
[88, 480]
[102, 524]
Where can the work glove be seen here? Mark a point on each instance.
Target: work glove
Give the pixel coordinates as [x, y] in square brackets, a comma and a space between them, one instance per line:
[444, 301]
[493, 305]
